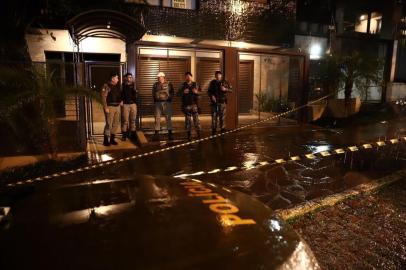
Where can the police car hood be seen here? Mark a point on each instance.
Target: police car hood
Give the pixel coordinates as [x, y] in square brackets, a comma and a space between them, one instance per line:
[147, 223]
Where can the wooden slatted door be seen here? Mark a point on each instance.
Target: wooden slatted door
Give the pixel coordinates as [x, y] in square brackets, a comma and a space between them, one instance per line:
[148, 68]
[205, 69]
[245, 86]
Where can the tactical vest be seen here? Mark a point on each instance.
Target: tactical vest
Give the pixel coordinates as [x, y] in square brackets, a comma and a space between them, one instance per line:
[162, 91]
[114, 95]
[190, 98]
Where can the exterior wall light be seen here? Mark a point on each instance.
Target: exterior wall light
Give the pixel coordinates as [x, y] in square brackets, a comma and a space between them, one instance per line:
[315, 51]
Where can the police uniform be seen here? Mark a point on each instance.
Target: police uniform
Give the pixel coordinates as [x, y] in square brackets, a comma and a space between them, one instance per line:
[111, 99]
[190, 106]
[162, 94]
[219, 107]
[129, 109]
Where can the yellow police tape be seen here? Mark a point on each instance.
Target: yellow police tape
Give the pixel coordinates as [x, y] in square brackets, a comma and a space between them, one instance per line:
[114, 161]
[311, 156]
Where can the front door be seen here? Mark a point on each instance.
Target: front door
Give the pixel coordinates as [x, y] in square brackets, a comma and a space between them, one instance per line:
[97, 74]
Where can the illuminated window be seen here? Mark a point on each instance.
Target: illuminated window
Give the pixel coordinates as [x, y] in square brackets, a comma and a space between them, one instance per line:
[369, 23]
[184, 4]
[362, 24]
[376, 22]
[179, 3]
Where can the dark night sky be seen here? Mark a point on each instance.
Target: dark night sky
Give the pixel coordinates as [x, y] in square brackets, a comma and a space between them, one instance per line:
[315, 10]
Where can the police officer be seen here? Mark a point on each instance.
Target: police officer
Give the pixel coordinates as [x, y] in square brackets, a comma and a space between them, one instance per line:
[111, 100]
[189, 92]
[162, 93]
[217, 92]
[129, 108]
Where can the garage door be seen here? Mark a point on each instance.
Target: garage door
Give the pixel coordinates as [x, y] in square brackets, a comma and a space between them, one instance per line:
[245, 87]
[205, 69]
[148, 68]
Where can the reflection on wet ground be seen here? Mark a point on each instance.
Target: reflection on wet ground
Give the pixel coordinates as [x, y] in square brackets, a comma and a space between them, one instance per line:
[283, 186]
[278, 186]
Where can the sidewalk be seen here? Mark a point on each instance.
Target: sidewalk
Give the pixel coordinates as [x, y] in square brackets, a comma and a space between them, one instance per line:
[178, 122]
[98, 153]
[365, 232]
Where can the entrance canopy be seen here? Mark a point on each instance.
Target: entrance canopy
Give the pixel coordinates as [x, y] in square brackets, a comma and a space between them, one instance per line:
[105, 23]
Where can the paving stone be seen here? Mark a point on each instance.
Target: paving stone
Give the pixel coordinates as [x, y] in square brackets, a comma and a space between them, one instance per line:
[365, 232]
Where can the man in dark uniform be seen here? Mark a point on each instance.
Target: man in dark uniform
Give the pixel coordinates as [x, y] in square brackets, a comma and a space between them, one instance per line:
[189, 92]
[129, 108]
[162, 93]
[111, 100]
[217, 92]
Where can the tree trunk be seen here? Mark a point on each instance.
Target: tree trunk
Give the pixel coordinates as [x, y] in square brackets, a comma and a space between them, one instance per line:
[349, 82]
[52, 138]
[348, 89]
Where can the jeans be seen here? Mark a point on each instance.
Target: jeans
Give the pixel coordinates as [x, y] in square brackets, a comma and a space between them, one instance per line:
[163, 107]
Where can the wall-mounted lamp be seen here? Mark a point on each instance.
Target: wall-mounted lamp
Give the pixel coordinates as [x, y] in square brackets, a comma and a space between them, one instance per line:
[315, 51]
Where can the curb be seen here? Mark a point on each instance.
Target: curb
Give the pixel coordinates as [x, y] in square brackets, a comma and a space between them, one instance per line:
[13, 162]
[316, 204]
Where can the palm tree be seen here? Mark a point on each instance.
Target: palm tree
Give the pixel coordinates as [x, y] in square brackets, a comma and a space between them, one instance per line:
[330, 74]
[33, 94]
[346, 70]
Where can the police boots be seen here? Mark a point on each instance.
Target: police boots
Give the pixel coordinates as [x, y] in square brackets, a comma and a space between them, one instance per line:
[125, 135]
[112, 140]
[133, 136]
[156, 136]
[170, 135]
[106, 141]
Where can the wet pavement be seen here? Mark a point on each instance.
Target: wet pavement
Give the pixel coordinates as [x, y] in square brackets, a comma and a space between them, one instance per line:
[278, 186]
[367, 232]
[147, 222]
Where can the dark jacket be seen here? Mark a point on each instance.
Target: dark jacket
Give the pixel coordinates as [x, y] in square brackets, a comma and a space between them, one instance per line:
[215, 90]
[111, 95]
[189, 98]
[162, 92]
[129, 93]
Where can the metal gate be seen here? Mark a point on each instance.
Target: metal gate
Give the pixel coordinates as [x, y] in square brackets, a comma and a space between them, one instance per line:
[97, 73]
